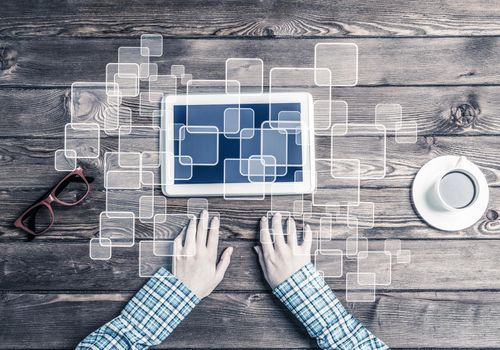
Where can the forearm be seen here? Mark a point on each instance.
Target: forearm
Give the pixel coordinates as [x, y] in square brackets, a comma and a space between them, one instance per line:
[309, 298]
[148, 318]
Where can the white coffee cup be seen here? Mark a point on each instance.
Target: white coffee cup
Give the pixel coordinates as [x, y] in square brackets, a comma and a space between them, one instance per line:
[455, 187]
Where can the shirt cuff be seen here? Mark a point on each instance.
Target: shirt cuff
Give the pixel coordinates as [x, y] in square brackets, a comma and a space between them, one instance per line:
[310, 299]
[158, 308]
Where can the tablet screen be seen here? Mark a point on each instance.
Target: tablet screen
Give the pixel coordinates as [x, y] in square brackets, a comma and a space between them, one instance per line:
[218, 143]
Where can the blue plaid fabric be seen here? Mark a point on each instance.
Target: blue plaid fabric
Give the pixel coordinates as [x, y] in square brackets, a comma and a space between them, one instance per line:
[309, 298]
[148, 318]
[164, 301]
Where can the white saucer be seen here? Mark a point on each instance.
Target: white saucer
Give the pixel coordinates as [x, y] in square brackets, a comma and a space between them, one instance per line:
[440, 218]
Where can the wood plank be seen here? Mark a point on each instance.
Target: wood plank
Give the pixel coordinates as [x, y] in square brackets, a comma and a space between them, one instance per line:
[254, 320]
[402, 160]
[393, 210]
[435, 265]
[413, 61]
[394, 216]
[431, 108]
[318, 18]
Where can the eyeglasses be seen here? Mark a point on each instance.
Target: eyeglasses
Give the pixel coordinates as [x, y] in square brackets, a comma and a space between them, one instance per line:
[70, 191]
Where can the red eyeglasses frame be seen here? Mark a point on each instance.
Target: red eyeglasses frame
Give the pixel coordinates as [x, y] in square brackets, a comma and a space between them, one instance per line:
[48, 199]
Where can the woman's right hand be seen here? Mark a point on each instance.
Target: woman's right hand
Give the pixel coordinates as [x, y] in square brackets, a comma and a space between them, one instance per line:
[283, 257]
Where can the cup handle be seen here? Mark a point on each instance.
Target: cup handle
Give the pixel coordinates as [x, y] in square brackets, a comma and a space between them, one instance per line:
[461, 160]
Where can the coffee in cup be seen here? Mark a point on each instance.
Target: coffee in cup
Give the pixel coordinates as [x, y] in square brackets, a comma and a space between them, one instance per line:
[455, 188]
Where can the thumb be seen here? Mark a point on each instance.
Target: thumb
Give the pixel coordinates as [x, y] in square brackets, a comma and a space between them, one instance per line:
[223, 264]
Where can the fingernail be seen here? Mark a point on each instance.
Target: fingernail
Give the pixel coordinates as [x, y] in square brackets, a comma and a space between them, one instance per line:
[264, 219]
[215, 219]
[214, 222]
[255, 248]
[231, 250]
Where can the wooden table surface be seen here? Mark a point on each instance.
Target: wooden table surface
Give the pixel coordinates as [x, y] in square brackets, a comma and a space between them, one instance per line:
[432, 57]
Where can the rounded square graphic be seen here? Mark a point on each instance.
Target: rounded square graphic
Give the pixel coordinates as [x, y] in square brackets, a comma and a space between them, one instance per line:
[98, 251]
[137, 55]
[122, 79]
[342, 61]
[149, 262]
[82, 139]
[154, 42]
[231, 121]
[166, 228]
[63, 163]
[330, 262]
[117, 229]
[90, 101]
[200, 143]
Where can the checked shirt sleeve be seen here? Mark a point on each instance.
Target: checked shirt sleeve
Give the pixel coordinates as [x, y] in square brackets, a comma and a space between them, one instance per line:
[148, 318]
[309, 298]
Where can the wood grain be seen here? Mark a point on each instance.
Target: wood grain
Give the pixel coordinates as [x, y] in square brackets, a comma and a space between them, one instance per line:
[255, 320]
[430, 107]
[394, 216]
[435, 265]
[271, 19]
[413, 61]
[402, 160]
[52, 294]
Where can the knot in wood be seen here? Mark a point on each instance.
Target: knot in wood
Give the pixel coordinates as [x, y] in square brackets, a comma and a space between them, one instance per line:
[8, 57]
[492, 215]
[463, 115]
[269, 32]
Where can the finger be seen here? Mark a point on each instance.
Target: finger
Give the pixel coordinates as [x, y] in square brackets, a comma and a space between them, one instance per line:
[265, 237]
[262, 261]
[307, 239]
[223, 264]
[291, 233]
[201, 235]
[178, 242]
[190, 234]
[213, 236]
[181, 237]
[279, 239]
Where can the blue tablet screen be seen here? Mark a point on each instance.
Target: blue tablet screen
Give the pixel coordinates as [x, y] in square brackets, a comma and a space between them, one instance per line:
[220, 143]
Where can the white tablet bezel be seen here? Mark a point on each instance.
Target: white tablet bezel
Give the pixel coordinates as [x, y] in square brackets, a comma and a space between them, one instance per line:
[308, 183]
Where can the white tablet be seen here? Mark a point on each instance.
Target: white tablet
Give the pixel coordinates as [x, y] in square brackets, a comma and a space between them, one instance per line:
[237, 145]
